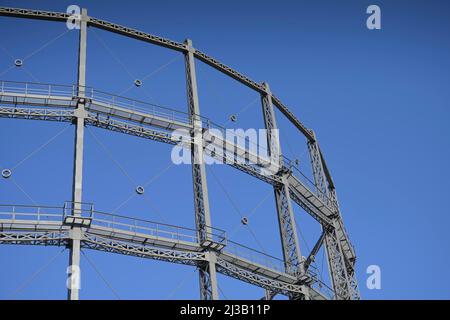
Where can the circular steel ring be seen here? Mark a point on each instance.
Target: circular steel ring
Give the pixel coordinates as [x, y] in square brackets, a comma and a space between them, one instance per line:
[140, 190]
[6, 173]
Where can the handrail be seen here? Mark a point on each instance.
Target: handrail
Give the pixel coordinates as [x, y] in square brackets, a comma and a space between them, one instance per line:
[90, 92]
[307, 182]
[160, 41]
[181, 47]
[125, 223]
[155, 229]
[113, 221]
[137, 105]
[114, 216]
[254, 255]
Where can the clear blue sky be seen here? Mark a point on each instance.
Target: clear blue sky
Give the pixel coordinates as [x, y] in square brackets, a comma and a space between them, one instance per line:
[378, 101]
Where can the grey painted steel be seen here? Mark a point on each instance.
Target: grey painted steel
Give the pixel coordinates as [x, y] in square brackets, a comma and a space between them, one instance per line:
[309, 200]
[160, 41]
[34, 14]
[286, 221]
[300, 193]
[320, 203]
[207, 271]
[141, 238]
[312, 255]
[341, 268]
[77, 187]
[291, 248]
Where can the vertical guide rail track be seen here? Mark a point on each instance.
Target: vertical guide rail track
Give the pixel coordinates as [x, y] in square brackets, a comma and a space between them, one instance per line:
[208, 278]
[321, 204]
[286, 221]
[77, 188]
[340, 258]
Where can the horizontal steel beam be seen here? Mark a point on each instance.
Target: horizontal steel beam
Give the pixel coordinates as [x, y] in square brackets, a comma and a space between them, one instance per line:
[160, 41]
[237, 272]
[108, 244]
[34, 14]
[302, 195]
[46, 225]
[187, 257]
[228, 71]
[55, 238]
[106, 114]
[292, 118]
[136, 34]
[310, 202]
[137, 123]
[37, 114]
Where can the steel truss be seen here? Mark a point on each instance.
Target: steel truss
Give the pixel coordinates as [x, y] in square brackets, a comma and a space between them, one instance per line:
[340, 253]
[30, 225]
[85, 106]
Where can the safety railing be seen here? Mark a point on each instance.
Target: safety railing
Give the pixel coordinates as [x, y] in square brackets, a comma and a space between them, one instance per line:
[104, 98]
[80, 208]
[30, 213]
[112, 101]
[243, 142]
[263, 155]
[108, 100]
[276, 264]
[318, 284]
[112, 222]
[307, 182]
[26, 214]
[143, 227]
[135, 226]
[42, 89]
[254, 256]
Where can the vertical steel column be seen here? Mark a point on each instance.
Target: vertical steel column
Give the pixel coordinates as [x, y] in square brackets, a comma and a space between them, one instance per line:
[77, 187]
[347, 249]
[341, 271]
[291, 249]
[207, 272]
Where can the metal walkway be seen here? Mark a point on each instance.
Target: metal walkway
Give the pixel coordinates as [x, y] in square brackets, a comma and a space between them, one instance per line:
[58, 103]
[81, 106]
[46, 225]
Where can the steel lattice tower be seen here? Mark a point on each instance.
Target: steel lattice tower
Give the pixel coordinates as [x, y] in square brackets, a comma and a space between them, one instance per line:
[76, 225]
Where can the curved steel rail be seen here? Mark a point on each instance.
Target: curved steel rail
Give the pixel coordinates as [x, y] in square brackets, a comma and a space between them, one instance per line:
[51, 225]
[59, 103]
[160, 41]
[117, 113]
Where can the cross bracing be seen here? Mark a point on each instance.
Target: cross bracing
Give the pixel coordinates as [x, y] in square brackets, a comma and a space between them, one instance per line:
[34, 225]
[83, 106]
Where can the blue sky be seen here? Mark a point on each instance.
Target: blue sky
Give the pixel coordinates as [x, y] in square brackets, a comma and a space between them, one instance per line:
[377, 100]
